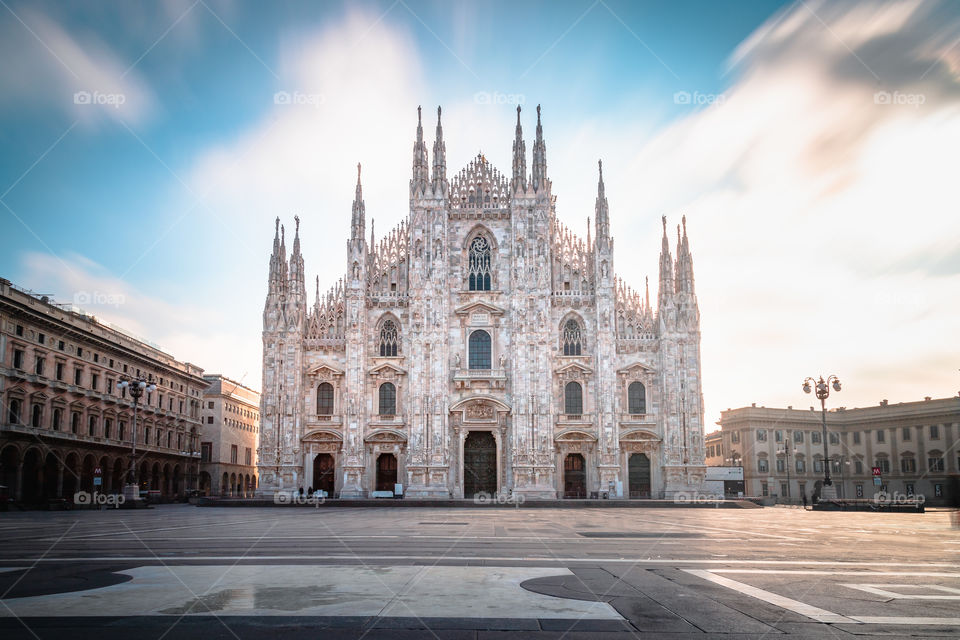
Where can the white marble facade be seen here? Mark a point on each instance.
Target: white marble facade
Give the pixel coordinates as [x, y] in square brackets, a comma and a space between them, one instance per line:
[482, 347]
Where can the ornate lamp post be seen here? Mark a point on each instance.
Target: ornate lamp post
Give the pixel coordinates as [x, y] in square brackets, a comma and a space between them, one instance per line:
[823, 392]
[136, 386]
[786, 460]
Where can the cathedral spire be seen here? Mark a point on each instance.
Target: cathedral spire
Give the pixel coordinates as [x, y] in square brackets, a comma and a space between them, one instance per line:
[421, 170]
[648, 292]
[296, 238]
[603, 211]
[439, 158]
[358, 220]
[519, 182]
[666, 270]
[539, 168]
[684, 261]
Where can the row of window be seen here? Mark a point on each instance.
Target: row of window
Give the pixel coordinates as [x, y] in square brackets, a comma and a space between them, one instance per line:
[14, 416]
[572, 399]
[908, 488]
[834, 436]
[479, 343]
[907, 465]
[78, 380]
[95, 357]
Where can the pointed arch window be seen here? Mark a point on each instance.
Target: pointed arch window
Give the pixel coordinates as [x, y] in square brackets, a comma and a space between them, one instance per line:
[389, 339]
[388, 399]
[479, 264]
[573, 399]
[572, 338]
[479, 350]
[325, 399]
[637, 398]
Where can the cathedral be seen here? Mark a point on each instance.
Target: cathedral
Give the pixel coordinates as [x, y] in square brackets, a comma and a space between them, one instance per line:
[481, 349]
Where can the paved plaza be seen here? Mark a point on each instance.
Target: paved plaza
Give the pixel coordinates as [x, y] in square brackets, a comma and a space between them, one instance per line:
[182, 571]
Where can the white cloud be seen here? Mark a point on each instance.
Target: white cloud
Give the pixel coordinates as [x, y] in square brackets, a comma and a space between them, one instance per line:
[804, 198]
[45, 65]
[204, 335]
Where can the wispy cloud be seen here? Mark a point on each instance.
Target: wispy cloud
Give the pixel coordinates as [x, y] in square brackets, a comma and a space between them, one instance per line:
[811, 190]
[47, 66]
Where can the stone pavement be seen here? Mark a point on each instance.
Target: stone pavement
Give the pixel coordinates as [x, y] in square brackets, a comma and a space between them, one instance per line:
[181, 571]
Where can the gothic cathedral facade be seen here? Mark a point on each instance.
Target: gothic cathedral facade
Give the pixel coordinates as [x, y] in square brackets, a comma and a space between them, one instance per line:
[481, 349]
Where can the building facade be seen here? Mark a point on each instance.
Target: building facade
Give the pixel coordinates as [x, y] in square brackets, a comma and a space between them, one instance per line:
[914, 445]
[228, 438]
[64, 416]
[481, 347]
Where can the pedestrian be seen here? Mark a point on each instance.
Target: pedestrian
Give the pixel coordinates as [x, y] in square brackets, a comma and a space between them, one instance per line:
[804, 496]
[310, 491]
[301, 492]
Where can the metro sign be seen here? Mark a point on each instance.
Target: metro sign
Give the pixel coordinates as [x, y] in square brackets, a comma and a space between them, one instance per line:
[876, 471]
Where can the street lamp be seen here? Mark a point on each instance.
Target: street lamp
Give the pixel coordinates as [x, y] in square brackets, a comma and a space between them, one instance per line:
[136, 386]
[822, 388]
[785, 452]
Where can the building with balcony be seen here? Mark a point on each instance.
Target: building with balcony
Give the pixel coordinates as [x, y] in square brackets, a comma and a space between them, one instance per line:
[66, 426]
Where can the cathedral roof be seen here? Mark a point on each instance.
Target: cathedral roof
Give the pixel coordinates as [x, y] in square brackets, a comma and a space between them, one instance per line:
[479, 185]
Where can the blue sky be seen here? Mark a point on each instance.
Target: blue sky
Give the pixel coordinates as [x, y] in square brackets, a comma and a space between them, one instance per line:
[791, 171]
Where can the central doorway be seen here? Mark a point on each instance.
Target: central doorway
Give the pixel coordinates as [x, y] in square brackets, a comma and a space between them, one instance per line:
[574, 476]
[639, 475]
[323, 473]
[386, 472]
[479, 464]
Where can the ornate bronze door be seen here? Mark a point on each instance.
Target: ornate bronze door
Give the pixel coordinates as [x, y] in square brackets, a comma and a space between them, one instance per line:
[479, 464]
[574, 476]
[639, 475]
[323, 473]
[386, 472]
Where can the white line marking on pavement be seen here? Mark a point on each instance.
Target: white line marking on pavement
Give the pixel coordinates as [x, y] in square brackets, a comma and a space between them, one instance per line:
[814, 613]
[875, 589]
[814, 572]
[953, 622]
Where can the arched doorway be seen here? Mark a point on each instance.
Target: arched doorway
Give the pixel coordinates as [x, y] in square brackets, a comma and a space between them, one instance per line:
[31, 476]
[9, 461]
[479, 464]
[120, 476]
[639, 470]
[574, 476]
[71, 476]
[51, 475]
[386, 472]
[86, 476]
[323, 473]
